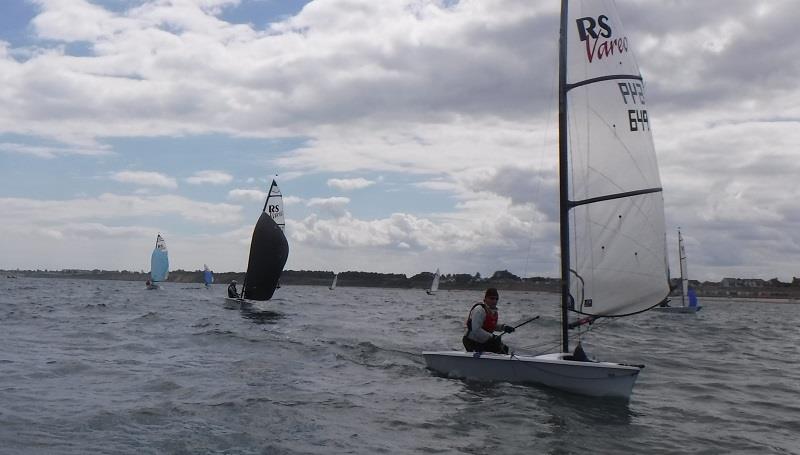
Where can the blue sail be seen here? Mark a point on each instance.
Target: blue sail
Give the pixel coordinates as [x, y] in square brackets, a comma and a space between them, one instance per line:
[159, 261]
[692, 298]
[208, 277]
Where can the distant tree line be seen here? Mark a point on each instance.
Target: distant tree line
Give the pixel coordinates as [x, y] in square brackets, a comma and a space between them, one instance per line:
[501, 279]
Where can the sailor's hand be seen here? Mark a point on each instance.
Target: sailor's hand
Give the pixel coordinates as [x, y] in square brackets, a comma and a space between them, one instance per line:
[508, 329]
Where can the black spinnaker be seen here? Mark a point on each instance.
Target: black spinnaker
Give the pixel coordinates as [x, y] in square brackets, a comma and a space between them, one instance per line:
[269, 250]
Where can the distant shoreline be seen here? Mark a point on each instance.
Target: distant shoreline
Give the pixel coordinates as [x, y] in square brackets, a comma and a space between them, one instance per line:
[728, 288]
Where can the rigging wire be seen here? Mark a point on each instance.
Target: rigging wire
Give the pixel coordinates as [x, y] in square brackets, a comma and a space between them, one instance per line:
[546, 138]
[550, 345]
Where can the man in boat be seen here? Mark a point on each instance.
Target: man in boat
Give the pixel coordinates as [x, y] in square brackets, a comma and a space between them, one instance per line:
[232, 292]
[482, 322]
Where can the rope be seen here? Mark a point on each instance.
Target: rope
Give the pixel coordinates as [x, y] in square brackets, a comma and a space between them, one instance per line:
[550, 346]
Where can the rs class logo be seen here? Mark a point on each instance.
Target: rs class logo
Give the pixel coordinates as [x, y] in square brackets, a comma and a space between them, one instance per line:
[597, 34]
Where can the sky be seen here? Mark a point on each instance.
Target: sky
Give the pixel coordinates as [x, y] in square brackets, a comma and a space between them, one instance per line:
[405, 135]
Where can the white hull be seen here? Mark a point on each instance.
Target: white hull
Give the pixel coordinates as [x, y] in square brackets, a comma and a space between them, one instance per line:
[429, 292]
[677, 309]
[599, 379]
[237, 303]
[152, 287]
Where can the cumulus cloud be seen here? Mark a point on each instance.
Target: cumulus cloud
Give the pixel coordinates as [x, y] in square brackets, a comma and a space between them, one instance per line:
[332, 205]
[145, 178]
[350, 184]
[242, 194]
[109, 206]
[211, 177]
[50, 151]
[458, 97]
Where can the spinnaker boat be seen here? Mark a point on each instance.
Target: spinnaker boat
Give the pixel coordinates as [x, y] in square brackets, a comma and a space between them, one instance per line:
[159, 263]
[613, 244]
[208, 276]
[269, 250]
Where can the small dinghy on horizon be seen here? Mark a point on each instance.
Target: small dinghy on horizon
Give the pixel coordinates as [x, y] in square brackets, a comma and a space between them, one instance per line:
[159, 264]
[689, 303]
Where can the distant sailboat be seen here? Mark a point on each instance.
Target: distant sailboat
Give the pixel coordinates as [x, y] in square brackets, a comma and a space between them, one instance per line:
[434, 284]
[333, 285]
[208, 276]
[159, 263]
[269, 250]
[613, 250]
[688, 296]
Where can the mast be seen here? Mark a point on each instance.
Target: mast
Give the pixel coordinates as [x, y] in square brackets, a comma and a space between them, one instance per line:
[682, 266]
[563, 173]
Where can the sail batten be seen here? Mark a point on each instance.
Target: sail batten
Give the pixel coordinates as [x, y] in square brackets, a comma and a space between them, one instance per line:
[594, 80]
[613, 196]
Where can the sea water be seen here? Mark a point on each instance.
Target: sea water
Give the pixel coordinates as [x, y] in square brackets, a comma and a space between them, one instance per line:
[107, 367]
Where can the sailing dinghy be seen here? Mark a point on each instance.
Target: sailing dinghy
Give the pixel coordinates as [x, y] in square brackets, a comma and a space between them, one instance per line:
[159, 264]
[208, 276]
[613, 245]
[333, 284]
[434, 284]
[269, 250]
[688, 297]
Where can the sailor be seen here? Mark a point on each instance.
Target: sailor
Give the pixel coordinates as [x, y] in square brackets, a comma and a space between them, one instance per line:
[232, 292]
[481, 323]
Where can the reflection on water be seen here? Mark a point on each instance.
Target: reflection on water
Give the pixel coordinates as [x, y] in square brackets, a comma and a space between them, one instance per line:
[260, 316]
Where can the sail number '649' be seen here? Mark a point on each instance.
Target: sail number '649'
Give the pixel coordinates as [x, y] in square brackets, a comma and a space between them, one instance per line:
[633, 93]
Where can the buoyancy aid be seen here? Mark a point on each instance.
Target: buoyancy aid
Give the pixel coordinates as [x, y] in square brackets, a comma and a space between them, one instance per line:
[489, 322]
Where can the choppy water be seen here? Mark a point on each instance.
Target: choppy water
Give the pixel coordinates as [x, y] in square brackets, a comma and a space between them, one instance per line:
[108, 367]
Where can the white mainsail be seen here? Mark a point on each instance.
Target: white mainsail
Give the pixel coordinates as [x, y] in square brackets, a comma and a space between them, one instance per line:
[616, 233]
[274, 205]
[333, 284]
[684, 270]
[434, 283]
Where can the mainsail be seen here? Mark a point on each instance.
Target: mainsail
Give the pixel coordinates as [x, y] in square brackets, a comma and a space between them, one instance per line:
[434, 283]
[269, 250]
[208, 276]
[684, 270]
[614, 252]
[333, 284]
[274, 205]
[159, 261]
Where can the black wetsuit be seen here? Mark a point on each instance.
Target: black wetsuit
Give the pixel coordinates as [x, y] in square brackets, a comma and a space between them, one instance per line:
[232, 293]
